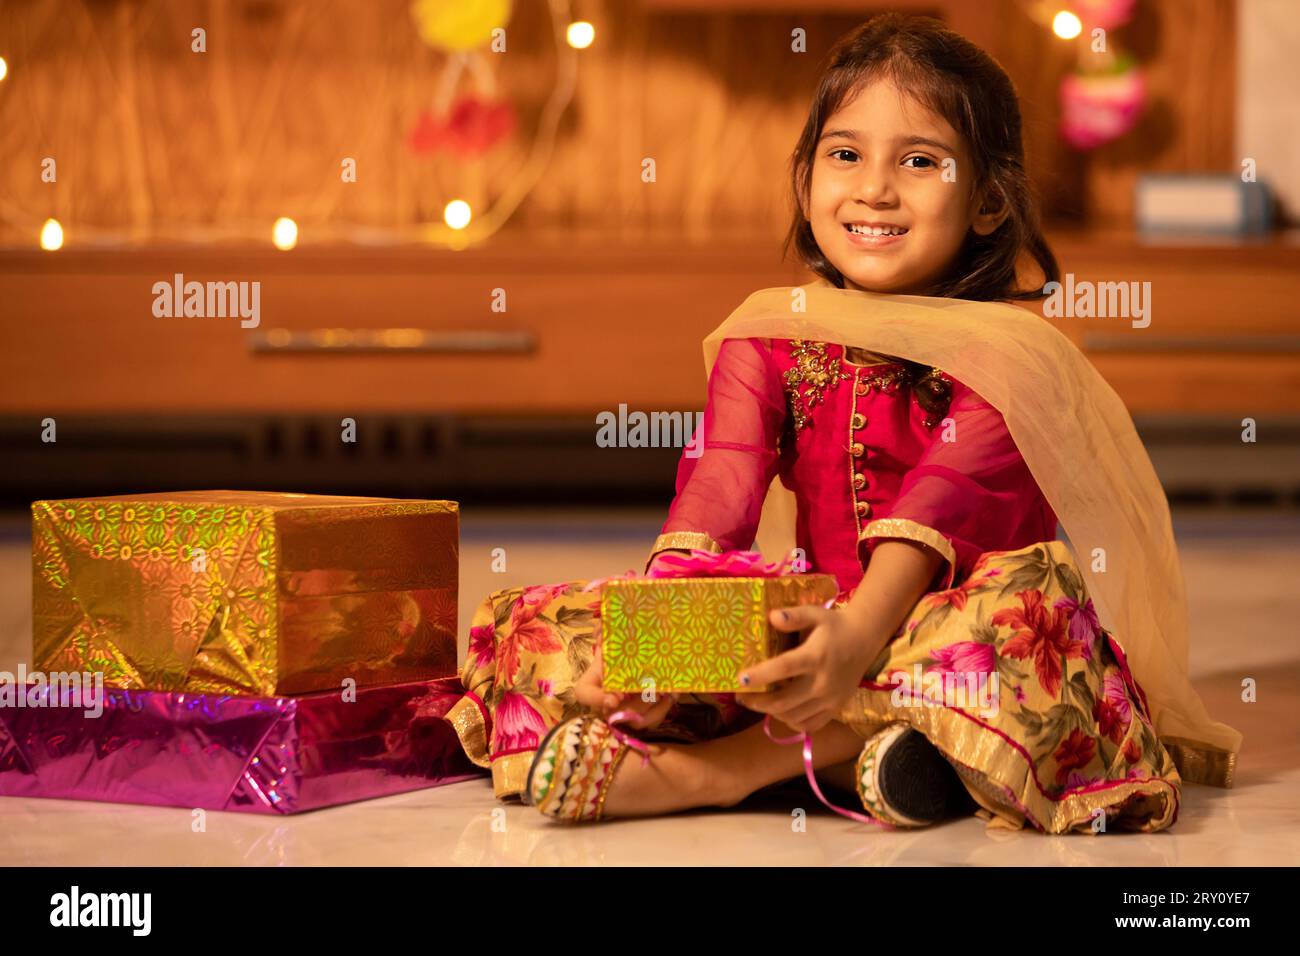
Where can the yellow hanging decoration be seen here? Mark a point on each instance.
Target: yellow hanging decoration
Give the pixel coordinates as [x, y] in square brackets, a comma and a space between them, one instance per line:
[459, 25]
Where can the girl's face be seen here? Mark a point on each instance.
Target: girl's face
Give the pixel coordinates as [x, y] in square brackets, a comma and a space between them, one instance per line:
[890, 166]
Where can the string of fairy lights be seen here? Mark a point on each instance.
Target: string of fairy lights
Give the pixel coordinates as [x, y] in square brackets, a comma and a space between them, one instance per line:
[461, 224]
[1098, 105]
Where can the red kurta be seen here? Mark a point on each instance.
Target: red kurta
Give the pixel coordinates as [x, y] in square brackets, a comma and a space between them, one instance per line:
[855, 448]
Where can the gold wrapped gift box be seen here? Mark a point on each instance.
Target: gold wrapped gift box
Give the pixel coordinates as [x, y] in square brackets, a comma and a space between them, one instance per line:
[695, 635]
[245, 592]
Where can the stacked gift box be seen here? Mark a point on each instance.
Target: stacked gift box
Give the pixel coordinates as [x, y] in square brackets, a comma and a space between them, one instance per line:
[260, 652]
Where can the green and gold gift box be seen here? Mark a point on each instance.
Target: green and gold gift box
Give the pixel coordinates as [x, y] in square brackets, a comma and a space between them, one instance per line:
[695, 635]
[242, 592]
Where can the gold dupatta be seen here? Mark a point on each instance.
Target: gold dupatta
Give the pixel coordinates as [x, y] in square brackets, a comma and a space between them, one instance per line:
[1079, 442]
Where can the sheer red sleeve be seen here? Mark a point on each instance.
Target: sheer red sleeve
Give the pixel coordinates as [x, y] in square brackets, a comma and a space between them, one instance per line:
[723, 478]
[970, 492]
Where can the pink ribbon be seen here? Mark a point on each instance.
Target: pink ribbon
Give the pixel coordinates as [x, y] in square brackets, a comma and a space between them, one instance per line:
[706, 564]
[728, 564]
[806, 740]
[636, 720]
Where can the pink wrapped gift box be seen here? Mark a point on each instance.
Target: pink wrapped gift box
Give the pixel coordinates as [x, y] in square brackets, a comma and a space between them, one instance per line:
[219, 752]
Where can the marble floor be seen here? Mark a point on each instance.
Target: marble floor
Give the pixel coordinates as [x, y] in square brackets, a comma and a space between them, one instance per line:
[1241, 573]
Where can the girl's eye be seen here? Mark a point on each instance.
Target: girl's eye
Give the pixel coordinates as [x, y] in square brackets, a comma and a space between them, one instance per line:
[843, 149]
[927, 162]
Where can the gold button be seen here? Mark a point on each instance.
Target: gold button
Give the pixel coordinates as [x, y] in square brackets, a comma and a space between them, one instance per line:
[864, 509]
[859, 421]
[857, 449]
[859, 480]
[862, 388]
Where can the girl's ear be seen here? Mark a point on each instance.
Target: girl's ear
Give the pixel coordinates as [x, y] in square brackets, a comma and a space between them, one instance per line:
[991, 213]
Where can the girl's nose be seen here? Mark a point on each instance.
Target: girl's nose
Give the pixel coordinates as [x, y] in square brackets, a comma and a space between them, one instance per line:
[875, 186]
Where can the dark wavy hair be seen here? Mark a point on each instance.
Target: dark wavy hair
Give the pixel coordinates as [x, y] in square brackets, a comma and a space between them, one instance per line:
[963, 84]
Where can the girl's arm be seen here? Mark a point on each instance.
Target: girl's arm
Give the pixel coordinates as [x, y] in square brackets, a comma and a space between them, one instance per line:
[897, 575]
[720, 490]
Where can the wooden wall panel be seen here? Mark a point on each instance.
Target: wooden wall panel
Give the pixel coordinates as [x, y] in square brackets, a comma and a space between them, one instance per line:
[155, 142]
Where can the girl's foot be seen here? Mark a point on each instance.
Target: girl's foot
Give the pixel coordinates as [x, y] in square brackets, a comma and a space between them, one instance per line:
[675, 779]
[582, 772]
[905, 781]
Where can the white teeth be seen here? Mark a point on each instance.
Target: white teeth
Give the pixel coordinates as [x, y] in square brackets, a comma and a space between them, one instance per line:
[877, 230]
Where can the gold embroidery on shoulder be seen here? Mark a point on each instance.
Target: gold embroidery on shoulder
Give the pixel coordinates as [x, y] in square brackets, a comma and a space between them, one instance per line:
[886, 378]
[816, 372]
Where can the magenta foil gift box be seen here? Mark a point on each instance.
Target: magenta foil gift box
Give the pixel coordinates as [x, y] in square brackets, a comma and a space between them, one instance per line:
[218, 752]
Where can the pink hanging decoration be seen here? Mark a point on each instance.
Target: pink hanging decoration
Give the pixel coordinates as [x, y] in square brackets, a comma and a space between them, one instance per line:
[1106, 14]
[1100, 108]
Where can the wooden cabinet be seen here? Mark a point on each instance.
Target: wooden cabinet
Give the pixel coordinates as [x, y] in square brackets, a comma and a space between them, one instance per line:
[608, 325]
[1224, 330]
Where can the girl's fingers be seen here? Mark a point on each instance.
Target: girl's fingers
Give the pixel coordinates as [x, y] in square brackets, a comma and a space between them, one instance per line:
[800, 617]
[784, 666]
[588, 689]
[775, 702]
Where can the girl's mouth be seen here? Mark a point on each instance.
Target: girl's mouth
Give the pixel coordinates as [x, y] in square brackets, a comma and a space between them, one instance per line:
[874, 237]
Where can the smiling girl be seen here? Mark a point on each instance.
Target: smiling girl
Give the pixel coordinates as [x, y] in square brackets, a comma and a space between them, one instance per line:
[917, 437]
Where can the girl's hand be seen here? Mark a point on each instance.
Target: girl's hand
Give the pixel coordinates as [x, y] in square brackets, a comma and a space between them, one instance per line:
[820, 675]
[589, 692]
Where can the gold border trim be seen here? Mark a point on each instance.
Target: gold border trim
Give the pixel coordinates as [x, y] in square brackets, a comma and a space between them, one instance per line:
[1198, 764]
[913, 531]
[467, 720]
[608, 782]
[510, 774]
[694, 540]
[683, 540]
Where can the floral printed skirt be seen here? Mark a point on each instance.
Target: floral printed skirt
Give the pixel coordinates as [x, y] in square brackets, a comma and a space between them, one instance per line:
[1008, 674]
